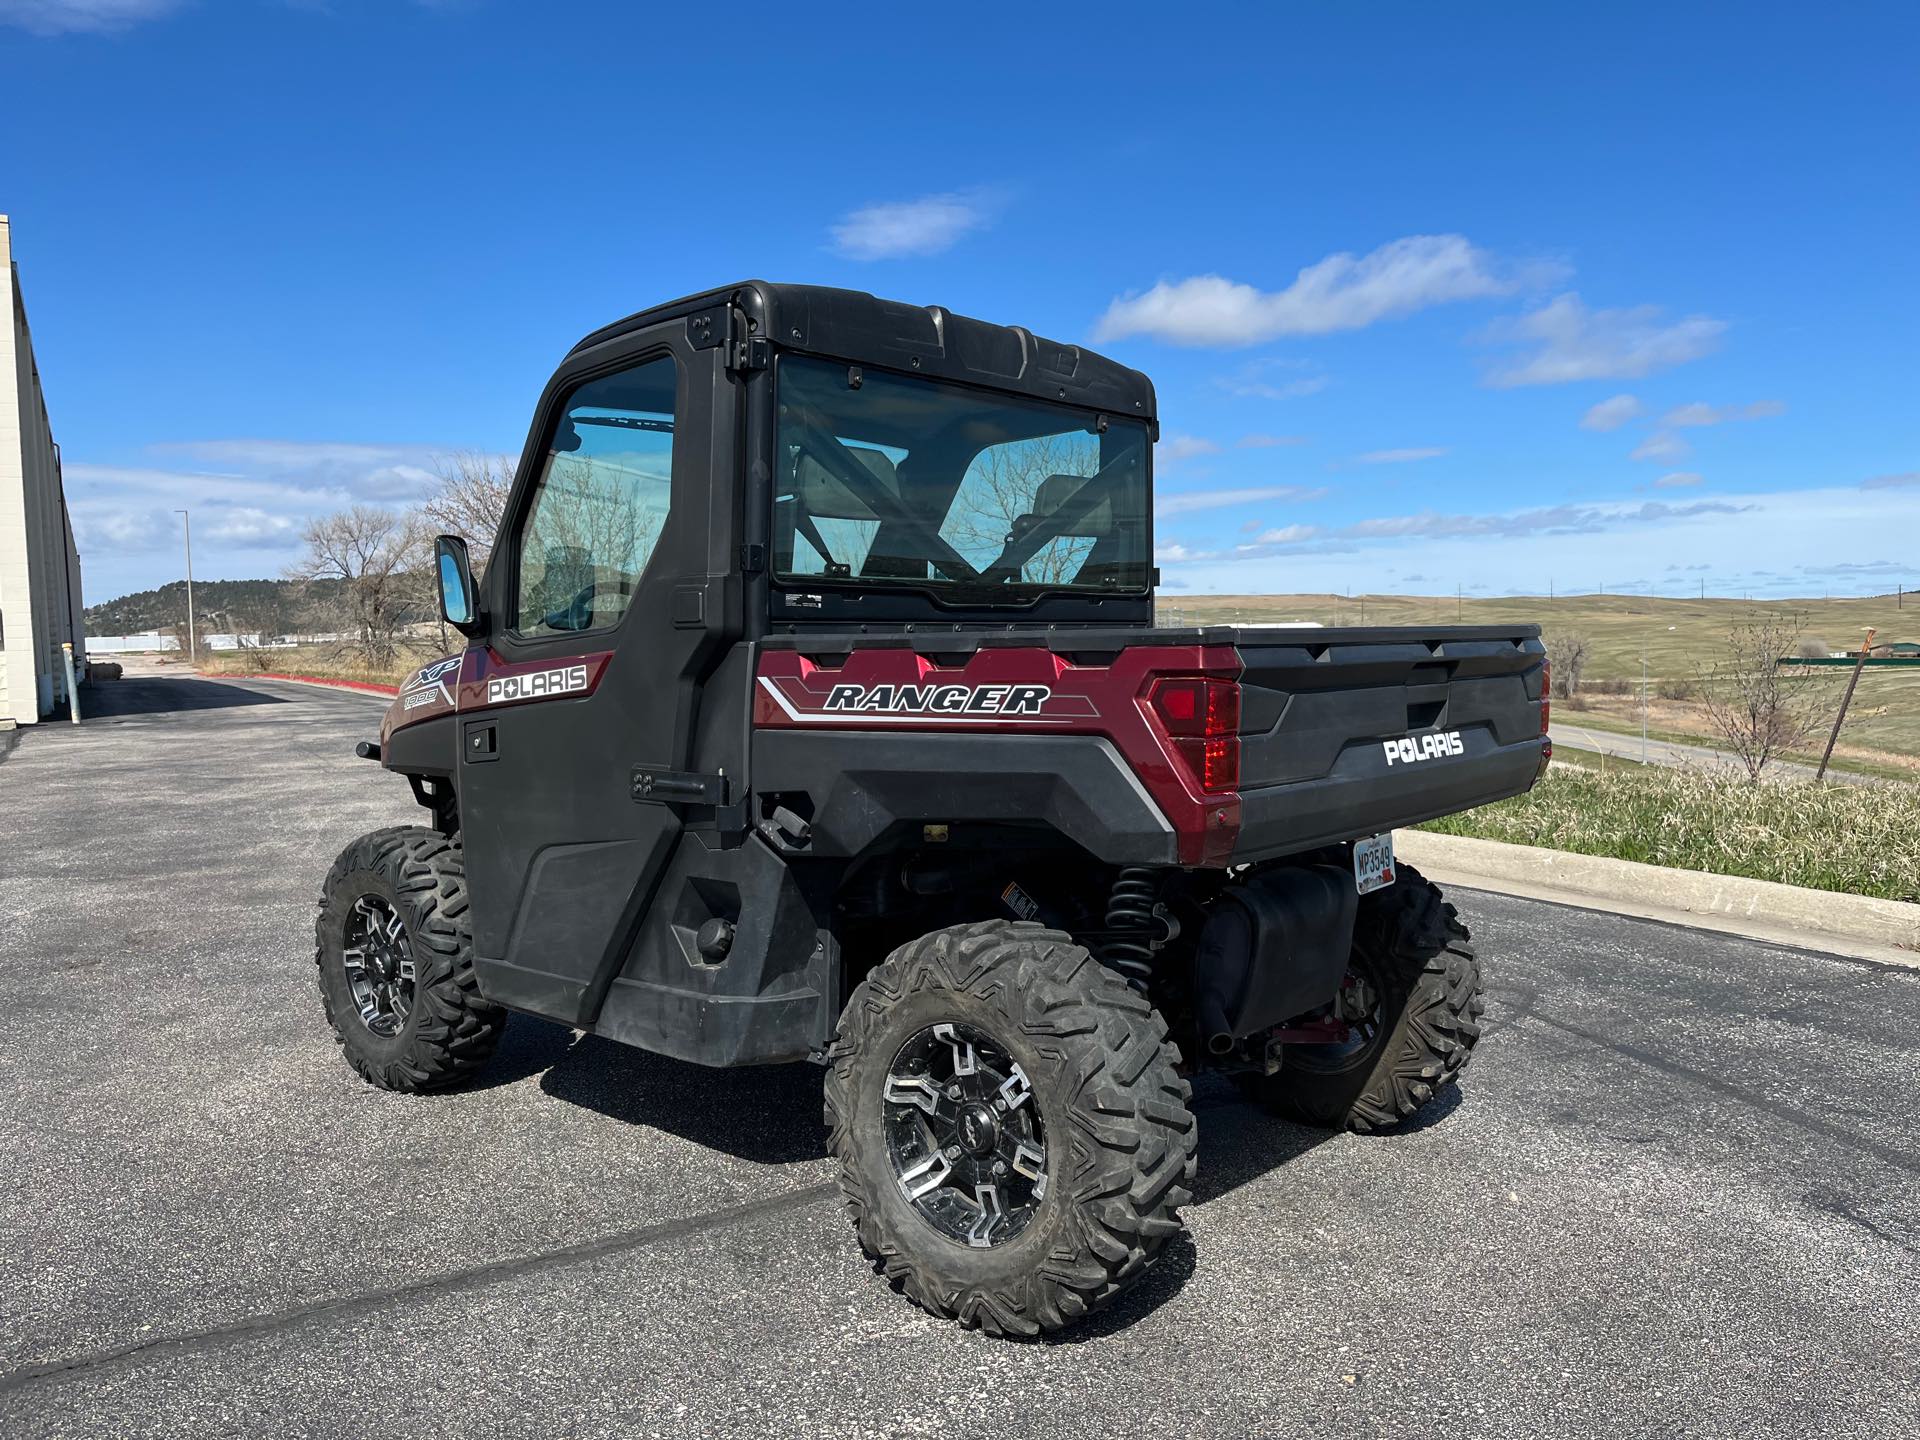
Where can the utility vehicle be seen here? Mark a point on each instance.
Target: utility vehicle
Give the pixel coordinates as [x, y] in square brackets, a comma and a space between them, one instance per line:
[813, 708]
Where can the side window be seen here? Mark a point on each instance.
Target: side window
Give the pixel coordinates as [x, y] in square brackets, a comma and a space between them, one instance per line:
[601, 503]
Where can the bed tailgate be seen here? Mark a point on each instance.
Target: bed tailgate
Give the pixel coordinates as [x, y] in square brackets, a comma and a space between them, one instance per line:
[1349, 733]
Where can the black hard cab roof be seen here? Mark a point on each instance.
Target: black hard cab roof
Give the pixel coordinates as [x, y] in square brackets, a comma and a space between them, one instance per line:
[931, 340]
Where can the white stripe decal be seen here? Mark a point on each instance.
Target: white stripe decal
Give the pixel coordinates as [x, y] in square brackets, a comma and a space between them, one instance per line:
[871, 717]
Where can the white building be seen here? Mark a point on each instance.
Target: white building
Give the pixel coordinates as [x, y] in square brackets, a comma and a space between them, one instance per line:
[39, 567]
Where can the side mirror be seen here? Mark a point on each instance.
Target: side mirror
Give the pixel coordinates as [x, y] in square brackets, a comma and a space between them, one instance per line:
[457, 602]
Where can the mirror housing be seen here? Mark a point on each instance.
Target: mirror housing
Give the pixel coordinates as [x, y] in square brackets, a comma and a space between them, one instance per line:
[459, 605]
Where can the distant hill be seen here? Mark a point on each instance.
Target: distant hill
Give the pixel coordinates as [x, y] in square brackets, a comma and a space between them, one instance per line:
[273, 607]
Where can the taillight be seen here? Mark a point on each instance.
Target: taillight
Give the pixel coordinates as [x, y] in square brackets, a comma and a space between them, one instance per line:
[1201, 716]
[1546, 713]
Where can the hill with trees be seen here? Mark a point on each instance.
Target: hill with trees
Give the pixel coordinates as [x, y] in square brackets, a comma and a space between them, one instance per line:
[269, 607]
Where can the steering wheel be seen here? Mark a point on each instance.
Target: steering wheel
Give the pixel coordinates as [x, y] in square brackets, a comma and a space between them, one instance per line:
[577, 613]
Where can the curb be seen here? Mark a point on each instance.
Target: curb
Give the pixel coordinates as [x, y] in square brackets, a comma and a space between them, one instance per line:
[368, 686]
[1886, 930]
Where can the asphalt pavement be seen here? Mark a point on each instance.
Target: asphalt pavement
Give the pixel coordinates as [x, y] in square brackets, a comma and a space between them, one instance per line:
[1678, 1193]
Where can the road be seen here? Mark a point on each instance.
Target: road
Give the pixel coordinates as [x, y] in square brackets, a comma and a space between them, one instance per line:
[1669, 752]
[1676, 1195]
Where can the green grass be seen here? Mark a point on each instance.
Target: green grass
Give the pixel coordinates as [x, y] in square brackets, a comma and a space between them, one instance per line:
[1858, 839]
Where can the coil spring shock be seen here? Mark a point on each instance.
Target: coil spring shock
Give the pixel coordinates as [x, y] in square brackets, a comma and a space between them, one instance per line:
[1130, 909]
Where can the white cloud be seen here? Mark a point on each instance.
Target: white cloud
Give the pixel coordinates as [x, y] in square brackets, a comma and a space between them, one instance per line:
[95, 17]
[1400, 457]
[1611, 414]
[895, 228]
[1570, 342]
[1268, 442]
[1679, 479]
[1702, 414]
[1341, 292]
[1661, 445]
[101, 526]
[1172, 449]
[1769, 543]
[1257, 380]
[247, 527]
[1172, 552]
[1186, 504]
[1911, 478]
[1284, 535]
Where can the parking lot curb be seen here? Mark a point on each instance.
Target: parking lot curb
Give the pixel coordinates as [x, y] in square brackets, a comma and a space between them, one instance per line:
[1887, 931]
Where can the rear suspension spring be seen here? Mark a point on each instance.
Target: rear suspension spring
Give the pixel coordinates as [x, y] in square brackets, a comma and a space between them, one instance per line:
[1130, 922]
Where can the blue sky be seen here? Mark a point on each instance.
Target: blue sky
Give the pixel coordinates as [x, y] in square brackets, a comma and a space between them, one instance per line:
[1488, 296]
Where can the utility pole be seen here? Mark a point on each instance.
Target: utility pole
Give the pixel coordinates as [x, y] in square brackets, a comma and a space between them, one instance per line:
[1643, 701]
[193, 640]
[1458, 601]
[1845, 700]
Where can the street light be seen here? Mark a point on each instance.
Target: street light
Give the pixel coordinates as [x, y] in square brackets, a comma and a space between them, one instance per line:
[193, 644]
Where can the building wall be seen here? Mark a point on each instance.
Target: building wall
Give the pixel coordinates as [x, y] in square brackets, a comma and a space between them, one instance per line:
[40, 600]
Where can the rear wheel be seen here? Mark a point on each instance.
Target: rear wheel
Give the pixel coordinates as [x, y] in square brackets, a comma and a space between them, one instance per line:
[1013, 1138]
[394, 948]
[1412, 1003]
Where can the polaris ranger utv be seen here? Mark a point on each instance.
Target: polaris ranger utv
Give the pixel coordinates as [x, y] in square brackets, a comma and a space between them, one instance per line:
[813, 709]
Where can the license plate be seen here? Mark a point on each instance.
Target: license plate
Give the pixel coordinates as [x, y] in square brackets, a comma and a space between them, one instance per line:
[1373, 863]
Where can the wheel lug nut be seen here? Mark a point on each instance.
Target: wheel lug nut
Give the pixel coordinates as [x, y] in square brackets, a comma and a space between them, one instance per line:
[953, 1092]
[953, 1152]
[999, 1167]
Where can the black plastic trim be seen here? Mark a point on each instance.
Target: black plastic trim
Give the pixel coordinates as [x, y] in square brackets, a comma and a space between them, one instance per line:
[864, 783]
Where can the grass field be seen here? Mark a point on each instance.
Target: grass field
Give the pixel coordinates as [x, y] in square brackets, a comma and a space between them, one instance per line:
[1860, 840]
[1677, 637]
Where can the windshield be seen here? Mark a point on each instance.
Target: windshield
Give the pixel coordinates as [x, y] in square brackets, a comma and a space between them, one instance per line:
[888, 479]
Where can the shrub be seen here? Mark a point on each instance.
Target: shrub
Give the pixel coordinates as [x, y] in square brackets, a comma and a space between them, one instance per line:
[1677, 687]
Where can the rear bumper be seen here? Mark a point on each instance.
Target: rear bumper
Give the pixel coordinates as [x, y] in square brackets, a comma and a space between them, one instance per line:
[1277, 820]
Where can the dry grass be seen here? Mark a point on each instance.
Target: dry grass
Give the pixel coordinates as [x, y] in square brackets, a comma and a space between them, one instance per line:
[1859, 839]
[323, 661]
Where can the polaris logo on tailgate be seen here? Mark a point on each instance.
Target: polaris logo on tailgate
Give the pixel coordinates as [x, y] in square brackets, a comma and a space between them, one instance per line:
[1431, 746]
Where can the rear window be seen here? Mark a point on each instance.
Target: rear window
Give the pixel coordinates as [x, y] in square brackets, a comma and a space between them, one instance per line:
[893, 479]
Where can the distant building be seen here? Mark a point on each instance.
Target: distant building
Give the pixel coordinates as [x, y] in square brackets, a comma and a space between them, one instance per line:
[39, 566]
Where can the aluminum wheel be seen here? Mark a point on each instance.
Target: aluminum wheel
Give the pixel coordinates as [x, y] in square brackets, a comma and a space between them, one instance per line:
[379, 965]
[964, 1135]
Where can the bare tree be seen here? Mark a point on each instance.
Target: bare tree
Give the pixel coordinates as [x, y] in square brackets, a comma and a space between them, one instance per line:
[1567, 651]
[374, 555]
[1001, 485]
[470, 502]
[1760, 708]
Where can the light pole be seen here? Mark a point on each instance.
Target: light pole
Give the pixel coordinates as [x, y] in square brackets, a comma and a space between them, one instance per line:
[193, 643]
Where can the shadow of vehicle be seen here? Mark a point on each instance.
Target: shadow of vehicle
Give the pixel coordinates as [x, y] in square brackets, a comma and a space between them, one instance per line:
[766, 1114]
[161, 694]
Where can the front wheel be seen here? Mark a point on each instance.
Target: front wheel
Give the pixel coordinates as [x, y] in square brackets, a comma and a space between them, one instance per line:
[394, 946]
[1412, 1003]
[1013, 1136]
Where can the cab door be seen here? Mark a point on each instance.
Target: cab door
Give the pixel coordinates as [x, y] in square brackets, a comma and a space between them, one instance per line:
[585, 675]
